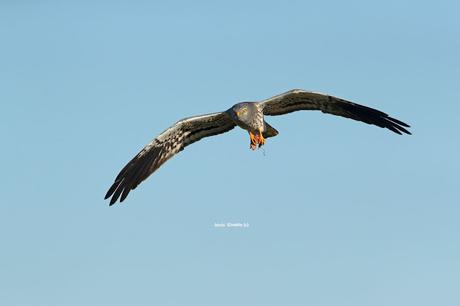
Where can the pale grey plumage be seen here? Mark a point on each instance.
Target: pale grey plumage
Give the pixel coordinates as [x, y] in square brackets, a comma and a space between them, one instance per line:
[247, 115]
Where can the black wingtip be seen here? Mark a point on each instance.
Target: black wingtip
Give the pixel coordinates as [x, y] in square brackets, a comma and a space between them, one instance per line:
[399, 125]
[396, 125]
[114, 192]
[109, 193]
[113, 200]
[406, 131]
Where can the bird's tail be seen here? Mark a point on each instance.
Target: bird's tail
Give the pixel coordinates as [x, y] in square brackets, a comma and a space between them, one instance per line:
[269, 131]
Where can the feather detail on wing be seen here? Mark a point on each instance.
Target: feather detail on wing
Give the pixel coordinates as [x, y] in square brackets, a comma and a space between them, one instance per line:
[165, 146]
[298, 99]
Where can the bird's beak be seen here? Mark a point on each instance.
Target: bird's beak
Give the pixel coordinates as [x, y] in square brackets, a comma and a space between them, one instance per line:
[237, 114]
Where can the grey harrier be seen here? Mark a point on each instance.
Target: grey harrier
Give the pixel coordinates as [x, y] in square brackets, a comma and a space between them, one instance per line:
[247, 115]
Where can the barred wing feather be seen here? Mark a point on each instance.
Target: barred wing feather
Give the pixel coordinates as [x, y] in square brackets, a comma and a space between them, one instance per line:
[297, 99]
[165, 146]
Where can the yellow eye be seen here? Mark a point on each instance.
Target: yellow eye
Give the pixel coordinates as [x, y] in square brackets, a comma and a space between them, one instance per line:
[242, 111]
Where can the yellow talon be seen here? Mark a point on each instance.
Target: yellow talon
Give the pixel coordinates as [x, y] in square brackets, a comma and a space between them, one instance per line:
[261, 139]
[257, 140]
[253, 144]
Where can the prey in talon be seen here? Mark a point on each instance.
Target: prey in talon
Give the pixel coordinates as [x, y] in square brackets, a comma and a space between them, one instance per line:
[250, 117]
[256, 140]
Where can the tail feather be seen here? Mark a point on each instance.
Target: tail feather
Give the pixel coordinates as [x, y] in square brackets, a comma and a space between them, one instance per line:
[269, 131]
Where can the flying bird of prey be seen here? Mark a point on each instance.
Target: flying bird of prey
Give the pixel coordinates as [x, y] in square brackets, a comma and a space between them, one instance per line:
[246, 115]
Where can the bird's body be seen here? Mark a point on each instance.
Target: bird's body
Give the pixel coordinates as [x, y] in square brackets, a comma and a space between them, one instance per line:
[248, 116]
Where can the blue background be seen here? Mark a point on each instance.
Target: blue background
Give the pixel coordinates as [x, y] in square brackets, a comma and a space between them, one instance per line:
[340, 213]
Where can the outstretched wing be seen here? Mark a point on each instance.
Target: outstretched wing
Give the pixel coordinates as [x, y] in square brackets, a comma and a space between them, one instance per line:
[165, 146]
[298, 99]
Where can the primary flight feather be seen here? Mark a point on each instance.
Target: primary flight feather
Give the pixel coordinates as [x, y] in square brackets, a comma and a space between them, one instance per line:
[247, 115]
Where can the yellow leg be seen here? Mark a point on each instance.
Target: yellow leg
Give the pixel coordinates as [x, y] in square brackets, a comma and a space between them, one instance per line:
[261, 139]
[253, 144]
[257, 140]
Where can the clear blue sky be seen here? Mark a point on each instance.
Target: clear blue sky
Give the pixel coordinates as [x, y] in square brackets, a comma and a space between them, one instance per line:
[340, 213]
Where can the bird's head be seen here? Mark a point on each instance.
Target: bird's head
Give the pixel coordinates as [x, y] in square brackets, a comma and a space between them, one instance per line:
[242, 111]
